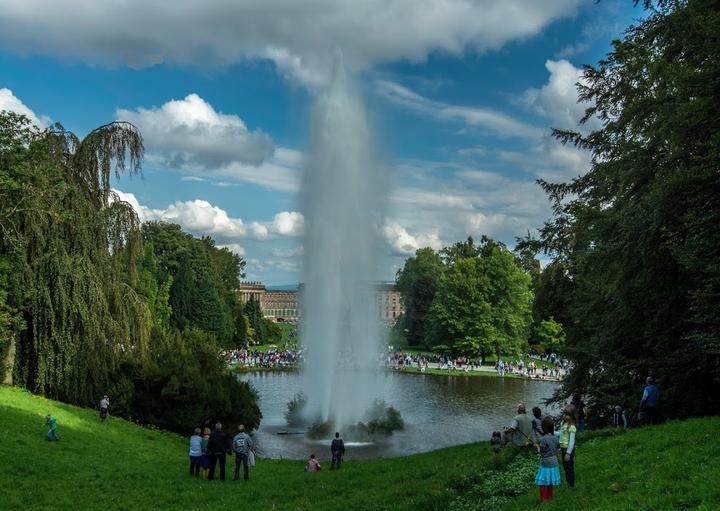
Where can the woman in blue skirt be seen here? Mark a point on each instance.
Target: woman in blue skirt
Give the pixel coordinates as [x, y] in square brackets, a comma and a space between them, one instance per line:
[548, 475]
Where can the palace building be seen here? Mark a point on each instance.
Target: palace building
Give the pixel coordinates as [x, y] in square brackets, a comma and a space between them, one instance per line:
[284, 305]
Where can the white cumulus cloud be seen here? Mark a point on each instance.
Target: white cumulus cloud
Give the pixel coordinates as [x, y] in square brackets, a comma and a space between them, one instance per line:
[8, 101]
[297, 36]
[557, 100]
[404, 243]
[190, 134]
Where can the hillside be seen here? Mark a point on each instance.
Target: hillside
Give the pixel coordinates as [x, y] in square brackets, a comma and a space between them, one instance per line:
[118, 465]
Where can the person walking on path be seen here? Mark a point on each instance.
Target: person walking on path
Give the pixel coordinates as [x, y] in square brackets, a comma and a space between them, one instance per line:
[104, 406]
[567, 432]
[242, 443]
[195, 452]
[218, 447]
[548, 475]
[51, 422]
[337, 448]
[520, 430]
[649, 401]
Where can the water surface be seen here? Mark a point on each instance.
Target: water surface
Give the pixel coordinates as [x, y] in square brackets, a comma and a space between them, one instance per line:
[439, 411]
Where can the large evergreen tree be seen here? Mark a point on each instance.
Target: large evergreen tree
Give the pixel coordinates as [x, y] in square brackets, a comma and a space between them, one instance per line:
[638, 234]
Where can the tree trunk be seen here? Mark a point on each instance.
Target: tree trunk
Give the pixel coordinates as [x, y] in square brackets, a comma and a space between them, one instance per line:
[9, 363]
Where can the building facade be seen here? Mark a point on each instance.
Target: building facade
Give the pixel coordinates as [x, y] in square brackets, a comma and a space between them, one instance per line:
[284, 305]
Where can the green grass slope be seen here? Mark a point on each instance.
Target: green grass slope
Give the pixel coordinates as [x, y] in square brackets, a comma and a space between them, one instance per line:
[118, 465]
[675, 466]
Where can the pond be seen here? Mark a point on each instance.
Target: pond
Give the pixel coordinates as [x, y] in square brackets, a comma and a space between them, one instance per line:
[439, 411]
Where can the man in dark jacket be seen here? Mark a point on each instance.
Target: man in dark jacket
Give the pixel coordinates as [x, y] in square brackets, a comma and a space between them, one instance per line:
[337, 448]
[218, 446]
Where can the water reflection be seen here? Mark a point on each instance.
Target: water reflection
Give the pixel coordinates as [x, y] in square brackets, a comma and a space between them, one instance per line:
[439, 411]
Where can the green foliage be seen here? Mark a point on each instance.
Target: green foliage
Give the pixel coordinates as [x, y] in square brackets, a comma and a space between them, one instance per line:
[492, 489]
[550, 335]
[637, 235]
[256, 322]
[92, 303]
[417, 282]
[482, 304]
[273, 331]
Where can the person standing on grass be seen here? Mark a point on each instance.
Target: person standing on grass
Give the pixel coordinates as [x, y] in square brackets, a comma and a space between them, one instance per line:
[205, 458]
[649, 401]
[51, 422]
[195, 452]
[619, 418]
[337, 448]
[104, 406]
[218, 447]
[548, 475]
[579, 405]
[568, 429]
[537, 431]
[242, 443]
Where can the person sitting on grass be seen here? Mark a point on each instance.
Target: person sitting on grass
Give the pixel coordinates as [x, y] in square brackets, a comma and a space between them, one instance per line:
[313, 465]
[520, 430]
[51, 422]
[548, 475]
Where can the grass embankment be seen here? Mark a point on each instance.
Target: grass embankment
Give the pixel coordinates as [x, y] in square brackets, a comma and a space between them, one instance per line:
[118, 465]
[674, 466]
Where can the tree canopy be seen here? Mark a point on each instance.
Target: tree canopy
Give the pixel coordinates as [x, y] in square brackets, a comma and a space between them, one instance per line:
[90, 301]
[635, 241]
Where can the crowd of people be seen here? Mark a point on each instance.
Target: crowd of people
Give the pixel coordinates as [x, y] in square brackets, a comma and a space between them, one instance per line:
[273, 358]
[554, 367]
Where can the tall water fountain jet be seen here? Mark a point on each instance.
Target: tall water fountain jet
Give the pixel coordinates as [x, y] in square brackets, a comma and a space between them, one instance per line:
[344, 198]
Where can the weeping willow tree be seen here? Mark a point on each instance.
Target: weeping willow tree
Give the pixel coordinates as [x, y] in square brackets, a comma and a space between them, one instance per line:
[69, 246]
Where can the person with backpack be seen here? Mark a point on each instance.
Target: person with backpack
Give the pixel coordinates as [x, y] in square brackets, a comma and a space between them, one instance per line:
[218, 447]
[337, 449]
[242, 445]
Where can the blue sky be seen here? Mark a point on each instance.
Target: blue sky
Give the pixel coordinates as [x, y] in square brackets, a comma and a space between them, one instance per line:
[461, 93]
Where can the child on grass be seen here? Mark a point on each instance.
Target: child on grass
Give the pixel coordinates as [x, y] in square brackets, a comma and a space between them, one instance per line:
[568, 428]
[51, 422]
[313, 465]
[548, 475]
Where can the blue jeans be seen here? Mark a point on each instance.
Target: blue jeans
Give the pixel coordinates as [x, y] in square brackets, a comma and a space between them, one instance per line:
[241, 458]
[52, 436]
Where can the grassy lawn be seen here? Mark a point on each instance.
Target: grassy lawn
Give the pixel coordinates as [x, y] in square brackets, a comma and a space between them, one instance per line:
[670, 467]
[118, 465]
